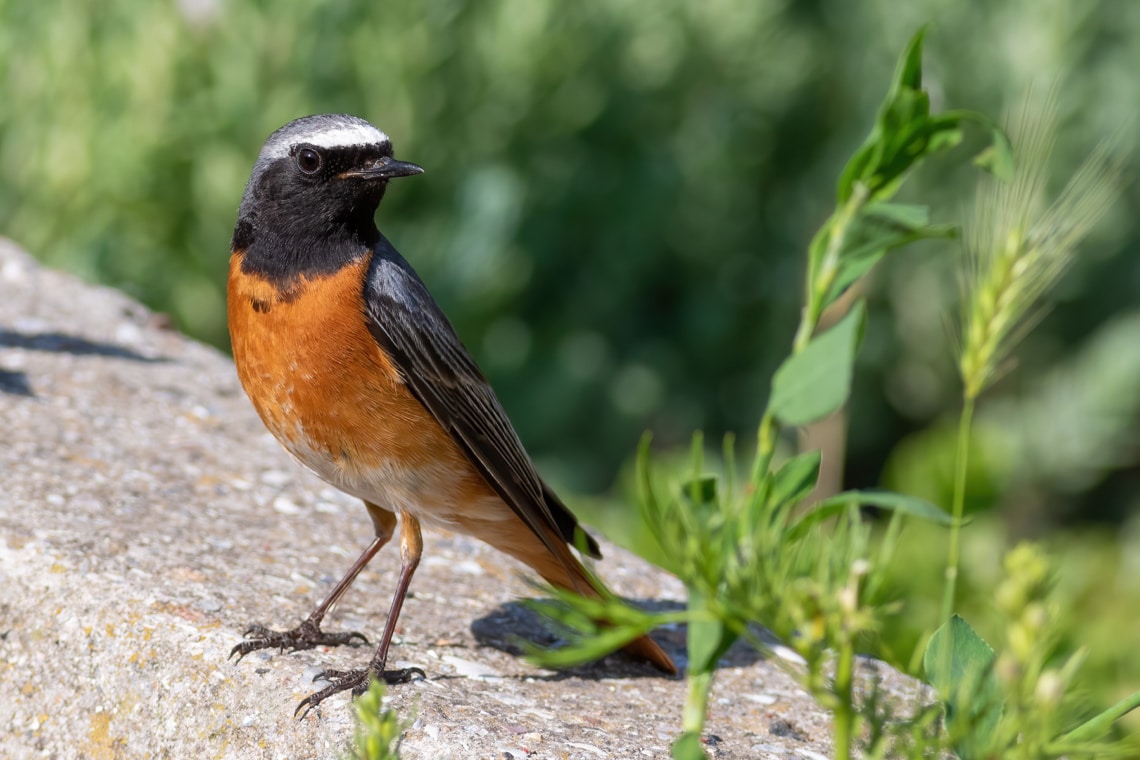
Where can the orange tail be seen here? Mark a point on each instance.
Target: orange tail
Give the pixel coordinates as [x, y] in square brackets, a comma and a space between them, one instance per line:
[516, 539]
[643, 647]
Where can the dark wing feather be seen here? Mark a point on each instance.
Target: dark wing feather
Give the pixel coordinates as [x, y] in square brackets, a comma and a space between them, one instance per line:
[408, 324]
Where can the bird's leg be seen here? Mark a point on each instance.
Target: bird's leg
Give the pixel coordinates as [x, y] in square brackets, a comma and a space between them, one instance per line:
[411, 548]
[309, 634]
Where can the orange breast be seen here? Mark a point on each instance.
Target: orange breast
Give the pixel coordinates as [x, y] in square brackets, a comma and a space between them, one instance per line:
[331, 396]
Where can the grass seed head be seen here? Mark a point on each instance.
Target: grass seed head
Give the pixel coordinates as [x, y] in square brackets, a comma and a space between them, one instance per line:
[1018, 245]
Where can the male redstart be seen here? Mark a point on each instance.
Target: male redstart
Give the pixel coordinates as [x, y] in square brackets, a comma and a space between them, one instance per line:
[357, 372]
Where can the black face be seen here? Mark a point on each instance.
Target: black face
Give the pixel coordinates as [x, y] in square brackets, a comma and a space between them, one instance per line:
[309, 204]
[322, 183]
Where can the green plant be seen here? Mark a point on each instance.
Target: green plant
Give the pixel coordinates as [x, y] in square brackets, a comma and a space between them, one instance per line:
[378, 730]
[1019, 247]
[814, 574]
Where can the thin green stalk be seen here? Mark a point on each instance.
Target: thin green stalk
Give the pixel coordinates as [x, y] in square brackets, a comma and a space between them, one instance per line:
[821, 274]
[822, 270]
[765, 446]
[845, 709]
[1102, 724]
[696, 703]
[961, 461]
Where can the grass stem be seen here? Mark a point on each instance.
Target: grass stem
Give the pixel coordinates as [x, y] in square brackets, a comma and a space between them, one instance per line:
[696, 703]
[961, 462]
[845, 707]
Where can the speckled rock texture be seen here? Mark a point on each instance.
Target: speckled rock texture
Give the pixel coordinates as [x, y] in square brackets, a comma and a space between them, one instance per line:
[147, 518]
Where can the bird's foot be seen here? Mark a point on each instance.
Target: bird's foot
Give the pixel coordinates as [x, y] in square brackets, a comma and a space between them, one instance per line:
[356, 680]
[305, 636]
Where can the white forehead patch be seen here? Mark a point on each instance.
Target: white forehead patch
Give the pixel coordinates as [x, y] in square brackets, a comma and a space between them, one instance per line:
[345, 135]
[341, 134]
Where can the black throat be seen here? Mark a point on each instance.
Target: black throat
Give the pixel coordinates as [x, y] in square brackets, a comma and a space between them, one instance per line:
[283, 244]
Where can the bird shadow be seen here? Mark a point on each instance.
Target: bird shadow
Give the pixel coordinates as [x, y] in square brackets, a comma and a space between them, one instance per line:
[510, 627]
[16, 383]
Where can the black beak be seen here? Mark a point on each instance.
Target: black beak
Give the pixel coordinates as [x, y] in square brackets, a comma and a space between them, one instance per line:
[385, 167]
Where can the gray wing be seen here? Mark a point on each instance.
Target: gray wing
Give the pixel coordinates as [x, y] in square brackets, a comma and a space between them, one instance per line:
[408, 324]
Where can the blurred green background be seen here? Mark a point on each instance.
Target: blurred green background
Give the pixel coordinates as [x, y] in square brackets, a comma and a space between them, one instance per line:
[617, 200]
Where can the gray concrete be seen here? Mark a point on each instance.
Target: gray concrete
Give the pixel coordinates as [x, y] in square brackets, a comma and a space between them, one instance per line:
[146, 518]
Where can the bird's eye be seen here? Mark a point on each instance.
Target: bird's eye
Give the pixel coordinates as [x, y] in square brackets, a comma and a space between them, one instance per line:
[308, 160]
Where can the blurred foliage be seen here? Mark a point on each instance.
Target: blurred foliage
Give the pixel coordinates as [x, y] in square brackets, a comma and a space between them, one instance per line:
[1098, 593]
[616, 197]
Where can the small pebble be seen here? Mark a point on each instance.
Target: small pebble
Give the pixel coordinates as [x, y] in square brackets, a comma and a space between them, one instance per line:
[286, 506]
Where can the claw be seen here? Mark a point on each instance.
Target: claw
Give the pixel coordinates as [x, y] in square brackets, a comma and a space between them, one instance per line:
[305, 636]
[304, 704]
[356, 680]
[403, 675]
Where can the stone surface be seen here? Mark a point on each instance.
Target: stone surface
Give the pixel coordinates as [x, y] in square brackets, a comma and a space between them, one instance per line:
[146, 518]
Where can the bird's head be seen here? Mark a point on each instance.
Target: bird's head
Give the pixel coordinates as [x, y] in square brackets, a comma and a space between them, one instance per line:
[320, 172]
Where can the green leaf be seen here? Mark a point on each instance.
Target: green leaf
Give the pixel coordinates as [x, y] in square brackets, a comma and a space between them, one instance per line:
[577, 617]
[708, 637]
[778, 493]
[996, 161]
[701, 491]
[905, 133]
[909, 73]
[894, 502]
[795, 478]
[881, 227]
[688, 747]
[815, 382]
[648, 536]
[582, 650]
[997, 158]
[959, 664]
[906, 216]
[903, 99]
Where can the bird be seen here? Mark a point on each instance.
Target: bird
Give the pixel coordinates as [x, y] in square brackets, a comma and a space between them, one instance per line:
[355, 369]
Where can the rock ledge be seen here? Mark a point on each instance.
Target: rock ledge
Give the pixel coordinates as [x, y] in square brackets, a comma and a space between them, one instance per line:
[146, 518]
